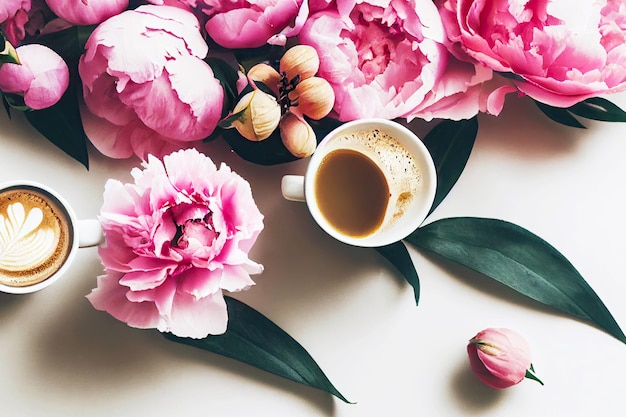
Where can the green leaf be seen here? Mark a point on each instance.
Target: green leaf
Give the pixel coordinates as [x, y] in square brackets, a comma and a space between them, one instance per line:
[520, 260]
[398, 255]
[253, 339]
[61, 124]
[450, 144]
[559, 115]
[227, 76]
[530, 374]
[598, 108]
[69, 43]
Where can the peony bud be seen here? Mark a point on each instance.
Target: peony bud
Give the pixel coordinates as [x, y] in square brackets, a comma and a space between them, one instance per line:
[256, 115]
[314, 97]
[41, 78]
[265, 74]
[300, 60]
[500, 358]
[297, 135]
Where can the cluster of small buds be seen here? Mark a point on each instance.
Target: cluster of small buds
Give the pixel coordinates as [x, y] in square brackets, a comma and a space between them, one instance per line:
[297, 93]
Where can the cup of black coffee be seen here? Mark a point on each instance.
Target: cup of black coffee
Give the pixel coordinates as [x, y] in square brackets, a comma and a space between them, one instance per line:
[39, 236]
[370, 182]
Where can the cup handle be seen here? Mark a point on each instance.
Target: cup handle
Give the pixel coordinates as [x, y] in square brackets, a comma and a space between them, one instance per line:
[89, 233]
[292, 187]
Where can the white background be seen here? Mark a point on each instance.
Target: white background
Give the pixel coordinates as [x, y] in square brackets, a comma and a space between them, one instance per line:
[346, 305]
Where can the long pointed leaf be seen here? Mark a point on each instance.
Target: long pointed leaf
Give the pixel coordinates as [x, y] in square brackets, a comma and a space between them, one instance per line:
[598, 108]
[519, 259]
[61, 124]
[559, 115]
[450, 144]
[253, 339]
[398, 255]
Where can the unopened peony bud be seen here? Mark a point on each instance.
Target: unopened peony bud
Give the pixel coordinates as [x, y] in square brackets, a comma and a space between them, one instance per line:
[314, 97]
[300, 60]
[41, 77]
[500, 358]
[297, 136]
[256, 115]
[265, 74]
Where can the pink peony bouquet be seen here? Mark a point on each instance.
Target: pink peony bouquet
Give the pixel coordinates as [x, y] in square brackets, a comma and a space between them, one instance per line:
[160, 75]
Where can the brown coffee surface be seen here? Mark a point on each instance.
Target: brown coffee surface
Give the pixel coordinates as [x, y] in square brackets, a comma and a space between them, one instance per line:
[35, 236]
[352, 192]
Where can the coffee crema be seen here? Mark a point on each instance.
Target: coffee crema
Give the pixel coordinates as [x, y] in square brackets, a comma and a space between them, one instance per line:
[351, 192]
[35, 236]
[366, 182]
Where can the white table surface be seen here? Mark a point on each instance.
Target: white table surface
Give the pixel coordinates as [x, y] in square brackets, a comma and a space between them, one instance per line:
[357, 318]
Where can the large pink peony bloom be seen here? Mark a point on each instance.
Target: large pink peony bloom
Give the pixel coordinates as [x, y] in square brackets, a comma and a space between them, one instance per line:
[499, 357]
[174, 240]
[146, 86]
[250, 23]
[564, 51]
[87, 12]
[388, 59]
[41, 77]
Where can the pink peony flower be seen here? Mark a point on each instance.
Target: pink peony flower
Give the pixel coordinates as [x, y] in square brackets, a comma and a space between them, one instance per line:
[499, 358]
[251, 23]
[563, 51]
[41, 77]
[13, 18]
[87, 12]
[145, 84]
[388, 59]
[174, 241]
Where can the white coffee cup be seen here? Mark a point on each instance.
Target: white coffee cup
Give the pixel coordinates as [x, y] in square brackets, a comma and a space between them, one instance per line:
[400, 156]
[39, 236]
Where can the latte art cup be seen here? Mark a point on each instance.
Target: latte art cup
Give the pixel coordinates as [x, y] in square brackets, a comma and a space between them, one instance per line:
[341, 185]
[29, 245]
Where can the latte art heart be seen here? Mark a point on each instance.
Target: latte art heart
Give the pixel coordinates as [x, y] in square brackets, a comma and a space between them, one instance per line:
[36, 236]
[24, 242]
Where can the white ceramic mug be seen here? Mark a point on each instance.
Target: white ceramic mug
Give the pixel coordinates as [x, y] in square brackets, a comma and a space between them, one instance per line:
[399, 154]
[39, 236]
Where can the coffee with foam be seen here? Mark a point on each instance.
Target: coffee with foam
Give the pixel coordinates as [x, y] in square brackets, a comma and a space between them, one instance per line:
[396, 163]
[35, 236]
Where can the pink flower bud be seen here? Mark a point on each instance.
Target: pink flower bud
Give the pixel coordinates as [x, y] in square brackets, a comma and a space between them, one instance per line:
[41, 77]
[500, 358]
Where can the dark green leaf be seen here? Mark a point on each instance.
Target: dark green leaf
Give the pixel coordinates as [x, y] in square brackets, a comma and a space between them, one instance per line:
[450, 144]
[227, 76]
[598, 108]
[559, 115]
[398, 255]
[520, 260]
[69, 43]
[530, 374]
[253, 339]
[61, 124]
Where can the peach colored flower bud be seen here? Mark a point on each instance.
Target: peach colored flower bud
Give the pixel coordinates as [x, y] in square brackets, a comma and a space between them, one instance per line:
[297, 135]
[314, 97]
[300, 60]
[500, 358]
[256, 115]
[265, 74]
